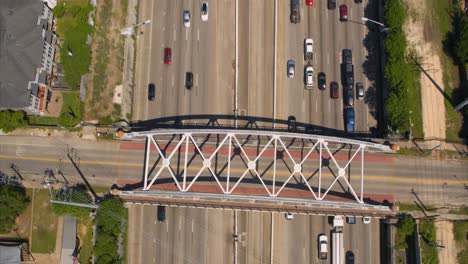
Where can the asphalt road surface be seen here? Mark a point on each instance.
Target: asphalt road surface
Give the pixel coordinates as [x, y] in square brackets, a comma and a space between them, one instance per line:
[208, 50]
[190, 235]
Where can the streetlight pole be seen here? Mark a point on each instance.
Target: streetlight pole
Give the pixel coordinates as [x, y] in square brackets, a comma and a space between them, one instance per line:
[365, 19]
[130, 30]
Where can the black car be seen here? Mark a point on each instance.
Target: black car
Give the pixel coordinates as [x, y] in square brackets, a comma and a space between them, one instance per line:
[349, 257]
[151, 92]
[189, 80]
[351, 220]
[357, 1]
[347, 56]
[331, 4]
[291, 123]
[161, 213]
[359, 90]
[348, 75]
[322, 81]
[348, 96]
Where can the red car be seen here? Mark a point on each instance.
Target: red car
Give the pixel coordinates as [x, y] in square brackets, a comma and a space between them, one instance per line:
[343, 12]
[309, 2]
[334, 90]
[167, 56]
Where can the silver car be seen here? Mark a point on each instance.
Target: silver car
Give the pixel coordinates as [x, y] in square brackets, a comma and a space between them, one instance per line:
[291, 68]
[309, 76]
[187, 18]
[204, 11]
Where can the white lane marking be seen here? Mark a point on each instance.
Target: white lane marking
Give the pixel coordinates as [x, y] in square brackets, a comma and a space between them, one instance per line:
[180, 223]
[329, 106]
[328, 58]
[172, 80]
[196, 79]
[186, 34]
[192, 225]
[198, 34]
[316, 105]
[175, 35]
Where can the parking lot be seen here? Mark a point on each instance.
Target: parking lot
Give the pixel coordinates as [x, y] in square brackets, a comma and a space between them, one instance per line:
[191, 235]
[207, 49]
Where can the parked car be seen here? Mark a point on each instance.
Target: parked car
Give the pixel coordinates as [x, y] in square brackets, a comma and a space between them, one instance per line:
[291, 68]
[334, 90]
[309, 76]
[331, 4]
[323, 247]
[186, 17]
[349, 257]
[151, 92]
[347, 56]
[322, 80]
[291, 123]
[343, 13]
[188, 80]
[161, 213]
[204, 11]
[309, 2]
[167, 56]
[359, 90]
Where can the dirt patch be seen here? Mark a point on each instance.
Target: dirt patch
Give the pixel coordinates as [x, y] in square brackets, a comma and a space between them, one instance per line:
[106, 61]
[421, 39]
[444, 236]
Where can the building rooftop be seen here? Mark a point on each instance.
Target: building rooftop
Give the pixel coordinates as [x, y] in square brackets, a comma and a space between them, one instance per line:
[21, 46]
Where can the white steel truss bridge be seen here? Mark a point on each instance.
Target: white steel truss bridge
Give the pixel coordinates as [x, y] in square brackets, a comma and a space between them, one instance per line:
[279, 162]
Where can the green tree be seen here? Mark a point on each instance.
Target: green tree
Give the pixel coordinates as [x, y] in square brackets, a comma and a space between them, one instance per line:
[13, 201]
[106, 247]
[461, 44]
[406, 228]
[110, 215]
[11, 120]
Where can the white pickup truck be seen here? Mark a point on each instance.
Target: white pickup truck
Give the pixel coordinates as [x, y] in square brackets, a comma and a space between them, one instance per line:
[308, 50]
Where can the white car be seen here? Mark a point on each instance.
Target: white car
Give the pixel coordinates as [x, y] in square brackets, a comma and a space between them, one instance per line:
[291, 68]
[323, 247]
[309, 76]
[308, 49]
[366, 220]
[204, 11]
[289, 216]
[187, 18]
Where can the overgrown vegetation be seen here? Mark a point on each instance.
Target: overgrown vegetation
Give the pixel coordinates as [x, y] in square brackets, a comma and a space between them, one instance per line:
[70, 114]
[11, 120]
[85, 233]
[73, 28]
[428, 242]
[78, 195]
[13, 201]
[455, 46]
[404, 100]
[111, 222]
[460, 233]
[44, 223]
[405, 230]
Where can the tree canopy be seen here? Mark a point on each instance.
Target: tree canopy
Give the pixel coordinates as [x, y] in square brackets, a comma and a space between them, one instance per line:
[11, 120]
[13, 201]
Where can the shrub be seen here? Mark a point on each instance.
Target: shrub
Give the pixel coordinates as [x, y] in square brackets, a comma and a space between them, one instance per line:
[13, 201]
[11, 120]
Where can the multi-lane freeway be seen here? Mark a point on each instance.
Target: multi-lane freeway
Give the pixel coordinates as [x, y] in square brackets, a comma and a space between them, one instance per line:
[208, 49]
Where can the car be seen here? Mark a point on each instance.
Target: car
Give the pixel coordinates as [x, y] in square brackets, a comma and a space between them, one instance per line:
[289, 216]
[348, 96]
[161, 213]
[343, 12]
[349, 116]
[291, 123]
[188, 80]
[308, 49]
[366, 220]
[309, 2]
[204, 11]
[309, 76]
[167, 56]
[291, 68]
[151, 92]
[359, 90]
[357, 1]
[323, 247]
[348, 75]
[186, 18]
[334, 90]
[347, 56]
[351, 220]
[322, 80]
[331, 4]
[349, 257]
